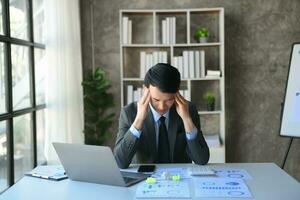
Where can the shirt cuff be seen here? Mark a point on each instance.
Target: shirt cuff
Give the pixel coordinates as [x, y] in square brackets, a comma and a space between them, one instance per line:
[135, 132]
[192, 135]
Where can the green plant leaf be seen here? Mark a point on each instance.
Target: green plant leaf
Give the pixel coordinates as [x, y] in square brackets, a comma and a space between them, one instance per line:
[97, 103]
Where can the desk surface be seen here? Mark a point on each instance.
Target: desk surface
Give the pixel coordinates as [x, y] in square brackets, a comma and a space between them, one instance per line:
[269, 182]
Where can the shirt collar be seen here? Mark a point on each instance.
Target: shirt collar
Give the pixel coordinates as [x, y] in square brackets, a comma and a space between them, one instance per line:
[156, 115]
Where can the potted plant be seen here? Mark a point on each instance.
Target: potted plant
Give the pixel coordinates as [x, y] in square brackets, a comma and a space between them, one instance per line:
[201, 35]
[97, 101]
[209, 99]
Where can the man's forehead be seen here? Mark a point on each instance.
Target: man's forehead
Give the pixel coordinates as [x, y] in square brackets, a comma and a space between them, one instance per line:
[162, 96]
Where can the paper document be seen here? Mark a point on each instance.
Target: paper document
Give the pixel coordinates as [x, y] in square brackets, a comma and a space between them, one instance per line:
[164, 189]
[221, 187]
[233, 173]
[51, 172]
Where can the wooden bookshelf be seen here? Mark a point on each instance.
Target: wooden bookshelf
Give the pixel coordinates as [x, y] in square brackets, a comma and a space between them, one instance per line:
[147, 36]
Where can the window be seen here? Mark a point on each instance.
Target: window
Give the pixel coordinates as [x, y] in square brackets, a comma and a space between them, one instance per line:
[22, 93]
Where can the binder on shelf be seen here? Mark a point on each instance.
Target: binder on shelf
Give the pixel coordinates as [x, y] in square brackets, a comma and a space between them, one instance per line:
[213, 73]
[185, 64]
[129, 94]
[180, 65]
[174, 30]
[191, 65]
[142, 64]
[155, 57]
[129, 40]
[202, 63]
[175, 62]
[127, 30]
[197, 64]
[164, 57]
[164, 31]
[168, 30]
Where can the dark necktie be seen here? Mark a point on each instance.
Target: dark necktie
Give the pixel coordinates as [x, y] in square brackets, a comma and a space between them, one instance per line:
[163, 142]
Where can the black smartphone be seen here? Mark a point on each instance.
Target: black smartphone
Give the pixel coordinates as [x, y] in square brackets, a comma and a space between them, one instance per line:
[146, 168]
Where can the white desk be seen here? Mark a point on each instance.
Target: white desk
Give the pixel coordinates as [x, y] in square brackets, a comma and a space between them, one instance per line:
[269, 183]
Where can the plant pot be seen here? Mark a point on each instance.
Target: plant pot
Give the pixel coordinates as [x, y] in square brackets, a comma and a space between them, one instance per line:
[202, 39]
[210, 106]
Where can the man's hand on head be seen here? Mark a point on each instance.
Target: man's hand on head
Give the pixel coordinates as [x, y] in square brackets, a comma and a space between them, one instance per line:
[142, 108]
[182, 108]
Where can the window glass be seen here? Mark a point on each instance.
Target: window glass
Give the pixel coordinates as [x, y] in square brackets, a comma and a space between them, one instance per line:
[23, 151]
[18, 10]
[20, 76]
[3, 108]
[3, 157]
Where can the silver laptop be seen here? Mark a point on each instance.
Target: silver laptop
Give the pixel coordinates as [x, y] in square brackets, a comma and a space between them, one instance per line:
[94, 164]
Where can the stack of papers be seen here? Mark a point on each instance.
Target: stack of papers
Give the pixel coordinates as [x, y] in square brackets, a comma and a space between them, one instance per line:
[51, 172]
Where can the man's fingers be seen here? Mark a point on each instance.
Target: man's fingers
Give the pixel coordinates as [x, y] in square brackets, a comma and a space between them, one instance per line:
[147, 100]
[145, 95]
[181, 98]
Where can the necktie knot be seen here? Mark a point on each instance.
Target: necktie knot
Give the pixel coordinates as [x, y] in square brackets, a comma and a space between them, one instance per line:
[162, 119]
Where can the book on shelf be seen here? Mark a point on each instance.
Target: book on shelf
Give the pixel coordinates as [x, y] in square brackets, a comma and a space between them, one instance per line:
[129, 39]
[168, 30]
[133, 94]
[127, 30]
[164, 31]
[142, 64]
[180, 65]
[197, 64]
[173, 30]
[185, 64]
[191, 64]
[147, 60]
[213, 73]
[202, 63]
[129, 94]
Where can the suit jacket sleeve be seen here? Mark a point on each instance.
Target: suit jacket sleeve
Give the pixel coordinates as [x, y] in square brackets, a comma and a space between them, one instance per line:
[197, 148]
[126, 142]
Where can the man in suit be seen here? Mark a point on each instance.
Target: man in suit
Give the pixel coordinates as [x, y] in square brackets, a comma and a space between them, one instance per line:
[162, 127]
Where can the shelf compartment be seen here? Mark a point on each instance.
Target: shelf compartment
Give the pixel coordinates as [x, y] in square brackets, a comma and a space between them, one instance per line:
[198, 88]
[135, 85]
[131, 60]
[207, 19]
[180, 26]
[142, 27]
[212, 55]
[210, 124]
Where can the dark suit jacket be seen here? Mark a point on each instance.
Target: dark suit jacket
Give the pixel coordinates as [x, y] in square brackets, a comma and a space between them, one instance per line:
[130, 149]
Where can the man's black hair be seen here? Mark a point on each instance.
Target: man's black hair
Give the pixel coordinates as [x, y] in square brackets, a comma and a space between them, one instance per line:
[163, 76]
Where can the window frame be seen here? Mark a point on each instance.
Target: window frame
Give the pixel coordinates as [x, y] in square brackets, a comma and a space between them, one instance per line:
[10, 114]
